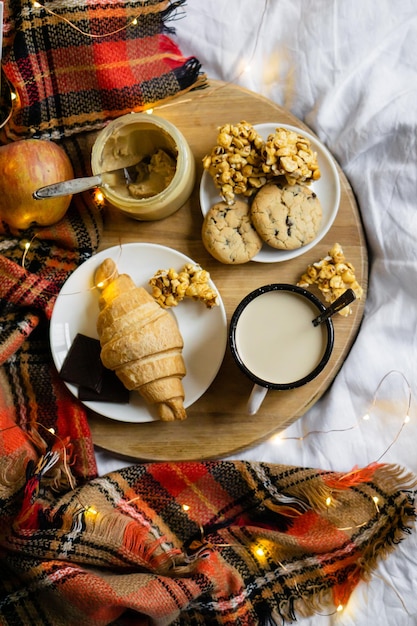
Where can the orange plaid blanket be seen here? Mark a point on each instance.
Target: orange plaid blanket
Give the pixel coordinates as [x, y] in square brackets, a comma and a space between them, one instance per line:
[218, 542]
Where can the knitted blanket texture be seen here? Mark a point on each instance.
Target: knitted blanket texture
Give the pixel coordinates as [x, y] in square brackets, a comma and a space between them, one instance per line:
[76, 65]
[32, 393]
[189, 543]
[216, 542]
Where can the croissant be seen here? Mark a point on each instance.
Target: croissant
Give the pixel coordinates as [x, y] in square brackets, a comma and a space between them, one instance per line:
[140, 341]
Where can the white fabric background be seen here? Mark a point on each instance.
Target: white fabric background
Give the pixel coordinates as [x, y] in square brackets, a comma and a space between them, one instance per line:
[348, 69]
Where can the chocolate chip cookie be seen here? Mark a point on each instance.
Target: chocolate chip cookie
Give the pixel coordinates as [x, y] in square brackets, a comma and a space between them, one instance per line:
[286, 216]
[228, 233]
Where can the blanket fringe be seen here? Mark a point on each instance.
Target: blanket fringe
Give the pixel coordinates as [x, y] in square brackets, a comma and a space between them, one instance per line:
[392, 478]
[297, 606]
[395, 478]
[306, 606]
[54, 464]
[136, 537]
[353, 478]
[186, 86]
[169, 14]
[385, 545]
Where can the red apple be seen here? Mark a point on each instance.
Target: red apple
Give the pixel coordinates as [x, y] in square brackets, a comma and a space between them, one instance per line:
[25, 166]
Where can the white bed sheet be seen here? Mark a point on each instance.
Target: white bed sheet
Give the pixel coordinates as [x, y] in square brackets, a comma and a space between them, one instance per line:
[348, 69]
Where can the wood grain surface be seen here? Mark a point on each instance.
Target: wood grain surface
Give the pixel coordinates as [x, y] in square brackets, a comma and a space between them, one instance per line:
[217, 423]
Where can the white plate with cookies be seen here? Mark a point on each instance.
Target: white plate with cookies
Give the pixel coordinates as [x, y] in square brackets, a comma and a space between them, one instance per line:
[326, 188]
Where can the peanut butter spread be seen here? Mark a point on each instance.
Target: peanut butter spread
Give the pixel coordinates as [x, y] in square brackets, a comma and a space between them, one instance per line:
[151, 153]
[154, 176]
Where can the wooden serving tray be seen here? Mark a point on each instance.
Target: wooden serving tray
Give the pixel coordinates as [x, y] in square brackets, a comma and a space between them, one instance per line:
[217, 423]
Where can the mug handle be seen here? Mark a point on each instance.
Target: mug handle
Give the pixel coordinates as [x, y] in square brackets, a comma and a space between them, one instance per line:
[256, 398]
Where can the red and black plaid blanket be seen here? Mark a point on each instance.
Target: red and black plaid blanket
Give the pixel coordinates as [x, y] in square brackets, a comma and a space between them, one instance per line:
[75, 65]
[34, 264]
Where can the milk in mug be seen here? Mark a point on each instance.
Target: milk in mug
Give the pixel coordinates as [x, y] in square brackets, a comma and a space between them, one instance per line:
[275, 337]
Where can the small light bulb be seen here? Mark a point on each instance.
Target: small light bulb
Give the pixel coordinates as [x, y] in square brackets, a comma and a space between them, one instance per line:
[91, 511]
[328, 501]
[259, 552]
[51, 430]
[339, 608]
[185, 507]
[37, 5]
[149, 111]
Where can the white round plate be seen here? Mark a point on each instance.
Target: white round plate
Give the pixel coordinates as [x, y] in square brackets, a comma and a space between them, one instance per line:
[204, 330]
[327, 189]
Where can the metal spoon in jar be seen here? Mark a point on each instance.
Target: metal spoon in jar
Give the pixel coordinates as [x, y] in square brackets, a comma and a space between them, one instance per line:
[77, 185]
[346, 298]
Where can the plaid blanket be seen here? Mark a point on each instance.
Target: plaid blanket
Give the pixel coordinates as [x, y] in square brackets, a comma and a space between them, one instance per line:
[75, 65]
[31, 392]
[216, 542]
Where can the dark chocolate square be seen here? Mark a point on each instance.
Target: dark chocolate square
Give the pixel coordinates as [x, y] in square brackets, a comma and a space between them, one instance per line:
[82, 365]
[112, 390]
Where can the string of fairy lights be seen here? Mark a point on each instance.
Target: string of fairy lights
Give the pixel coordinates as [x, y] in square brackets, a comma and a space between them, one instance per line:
[90, 510]
[279, 438]
[130, 23]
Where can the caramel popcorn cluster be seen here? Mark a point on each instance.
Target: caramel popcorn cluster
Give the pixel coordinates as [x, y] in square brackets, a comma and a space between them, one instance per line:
[333, 275]
[287, 153]
[235, 162]
[170, 287]
[241, 162]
